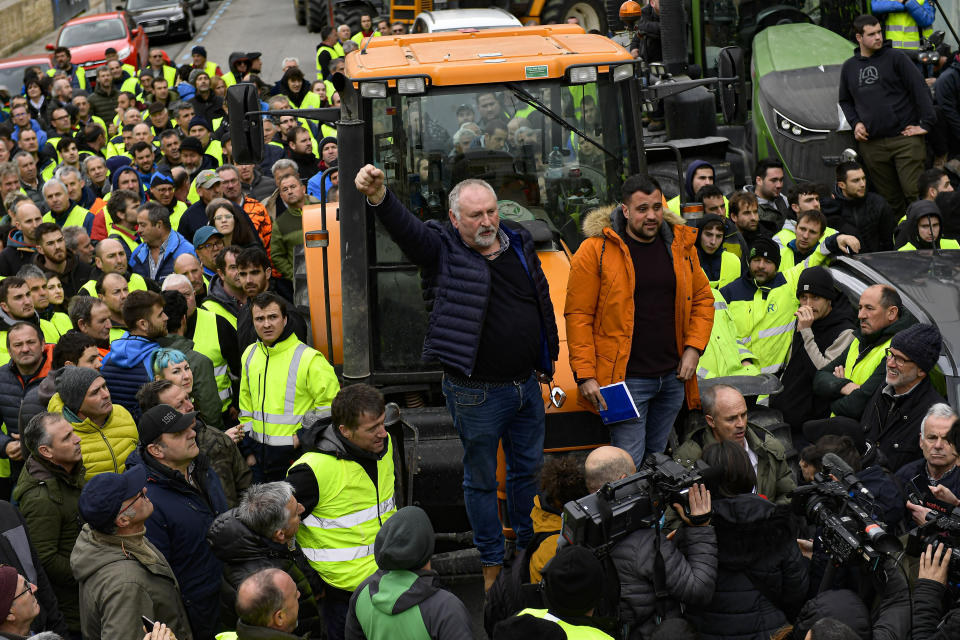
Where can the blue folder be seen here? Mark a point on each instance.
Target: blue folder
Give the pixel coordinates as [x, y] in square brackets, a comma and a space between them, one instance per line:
[620, 405]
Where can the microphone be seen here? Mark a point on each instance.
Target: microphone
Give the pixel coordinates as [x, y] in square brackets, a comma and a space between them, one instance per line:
[836, 466]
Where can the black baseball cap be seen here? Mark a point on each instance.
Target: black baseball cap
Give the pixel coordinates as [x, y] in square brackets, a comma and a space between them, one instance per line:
[162, 419]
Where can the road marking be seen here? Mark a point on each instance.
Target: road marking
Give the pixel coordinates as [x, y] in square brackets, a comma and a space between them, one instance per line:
[186, 55]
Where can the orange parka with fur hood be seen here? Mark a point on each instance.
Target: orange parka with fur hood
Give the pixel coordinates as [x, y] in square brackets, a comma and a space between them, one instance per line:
[599, 308]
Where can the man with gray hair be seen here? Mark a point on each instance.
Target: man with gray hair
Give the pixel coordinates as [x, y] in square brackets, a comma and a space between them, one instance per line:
[79, 243]
[938, 467]
[62, 210]
[48, 494]
[496, 336]
[260, 533]
[283, 167]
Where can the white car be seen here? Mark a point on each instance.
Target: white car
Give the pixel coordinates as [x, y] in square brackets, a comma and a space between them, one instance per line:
[455, 19]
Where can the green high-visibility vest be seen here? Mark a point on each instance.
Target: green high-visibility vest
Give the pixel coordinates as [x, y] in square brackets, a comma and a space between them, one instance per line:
[902, 30]
[76, 217]
[135, 282]
[278, 385]
[217, 308]
[337, 537]
[945, 243]
[207, 341]
[858, 369]
[730, 269]
[724, 355]
[321, 72]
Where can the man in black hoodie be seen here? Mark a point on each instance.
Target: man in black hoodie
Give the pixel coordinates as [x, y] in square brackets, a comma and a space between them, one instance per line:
[923, 229]
[859, 212]
[886, 101]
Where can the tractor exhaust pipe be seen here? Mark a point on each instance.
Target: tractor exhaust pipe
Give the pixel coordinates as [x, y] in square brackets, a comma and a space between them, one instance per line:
[673, 36]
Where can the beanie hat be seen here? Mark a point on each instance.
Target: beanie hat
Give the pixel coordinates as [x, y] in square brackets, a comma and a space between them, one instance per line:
[192, 144]
[405, 541]
[818, 281]
[921, 343]
[158, 178]
[765, 247]
[199, 120]
[325, 141]
[8, 588]
[73, 383]
[195, 73]
[573, 580]
[199, 49]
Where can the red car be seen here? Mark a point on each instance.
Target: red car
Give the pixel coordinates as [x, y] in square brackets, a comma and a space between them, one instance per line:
[88, 38]
[11, 70]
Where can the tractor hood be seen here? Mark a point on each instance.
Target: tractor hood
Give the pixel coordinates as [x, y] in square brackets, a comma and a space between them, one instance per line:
[797, 70]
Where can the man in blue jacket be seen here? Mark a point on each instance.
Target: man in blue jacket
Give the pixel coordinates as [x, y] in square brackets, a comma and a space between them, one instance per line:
[129, 365]
[187, 496]
[161, 245]
[493, 328]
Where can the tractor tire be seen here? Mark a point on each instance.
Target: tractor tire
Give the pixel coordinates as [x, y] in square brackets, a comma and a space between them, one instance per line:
[316, 15]
[614, 24]
[300, 12]
[349, 14]
[591, 13]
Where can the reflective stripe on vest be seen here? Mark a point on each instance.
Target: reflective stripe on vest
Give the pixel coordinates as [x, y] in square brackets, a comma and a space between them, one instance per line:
[206, 340]
[859, 372]
[902, 30]
[343, 556]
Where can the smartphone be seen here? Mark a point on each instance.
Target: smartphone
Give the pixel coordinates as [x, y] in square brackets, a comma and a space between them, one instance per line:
[147, 623]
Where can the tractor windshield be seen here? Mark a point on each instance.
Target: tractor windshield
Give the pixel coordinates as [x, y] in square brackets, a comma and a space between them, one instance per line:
[551, 152]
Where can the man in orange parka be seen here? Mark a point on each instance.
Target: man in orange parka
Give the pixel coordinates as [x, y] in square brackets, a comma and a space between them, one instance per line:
[635, 259]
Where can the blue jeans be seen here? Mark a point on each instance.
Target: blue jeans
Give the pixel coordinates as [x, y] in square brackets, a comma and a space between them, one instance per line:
[484, 415]
[658, 401]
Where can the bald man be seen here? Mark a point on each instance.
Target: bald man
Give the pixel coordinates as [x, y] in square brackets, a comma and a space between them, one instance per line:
[607, 464]
[110, 256]
[187, 265]
[257, 605]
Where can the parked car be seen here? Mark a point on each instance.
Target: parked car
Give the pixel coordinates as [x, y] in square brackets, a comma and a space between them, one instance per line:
[11, 70]
[458, 19]
[163, 18]
[88, 38]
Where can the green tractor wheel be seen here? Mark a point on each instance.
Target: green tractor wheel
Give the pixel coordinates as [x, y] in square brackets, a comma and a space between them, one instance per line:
[349, 13]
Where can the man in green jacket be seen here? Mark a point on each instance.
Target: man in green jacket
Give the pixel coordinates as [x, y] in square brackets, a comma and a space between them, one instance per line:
[725, 412]
[288, 232]
[404, 597]
[48, 494]
[122, 576]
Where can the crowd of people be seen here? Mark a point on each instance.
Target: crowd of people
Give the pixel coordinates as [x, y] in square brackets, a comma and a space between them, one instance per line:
[164, 480]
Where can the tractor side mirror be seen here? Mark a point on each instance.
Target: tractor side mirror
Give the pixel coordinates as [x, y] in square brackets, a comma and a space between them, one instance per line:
[246, 132]
[733, 88]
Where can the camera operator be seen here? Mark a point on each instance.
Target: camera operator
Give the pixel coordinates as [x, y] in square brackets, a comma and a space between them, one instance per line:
[761, 576]
[939, 463]
[930, 622]
[689, 561]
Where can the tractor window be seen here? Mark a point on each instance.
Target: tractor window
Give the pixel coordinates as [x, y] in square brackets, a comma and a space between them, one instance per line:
[539, 169]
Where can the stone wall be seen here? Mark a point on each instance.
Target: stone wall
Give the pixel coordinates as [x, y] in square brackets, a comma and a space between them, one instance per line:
[22, 22]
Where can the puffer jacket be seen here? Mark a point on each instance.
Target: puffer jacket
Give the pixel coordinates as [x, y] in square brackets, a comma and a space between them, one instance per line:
[243, 551]
[690, 561]
[122, 578]
[182, 514]
[104, 448]
[599, 306]
[13, 389]
[36, 400]
[176, 246]
[827, 386]
[457, 282]
[127, 367]
[761, 577]
[48, 497]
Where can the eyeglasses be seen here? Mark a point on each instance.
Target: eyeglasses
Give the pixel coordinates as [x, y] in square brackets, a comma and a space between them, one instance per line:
[898, 360]
[28, 588]
[142, 494]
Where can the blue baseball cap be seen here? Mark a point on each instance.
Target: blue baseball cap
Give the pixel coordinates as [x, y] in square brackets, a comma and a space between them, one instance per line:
[102, 496]
[203, 234]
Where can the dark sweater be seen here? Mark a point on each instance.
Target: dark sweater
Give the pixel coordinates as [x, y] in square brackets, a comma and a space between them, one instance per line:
[653, 351]
[885, 92]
